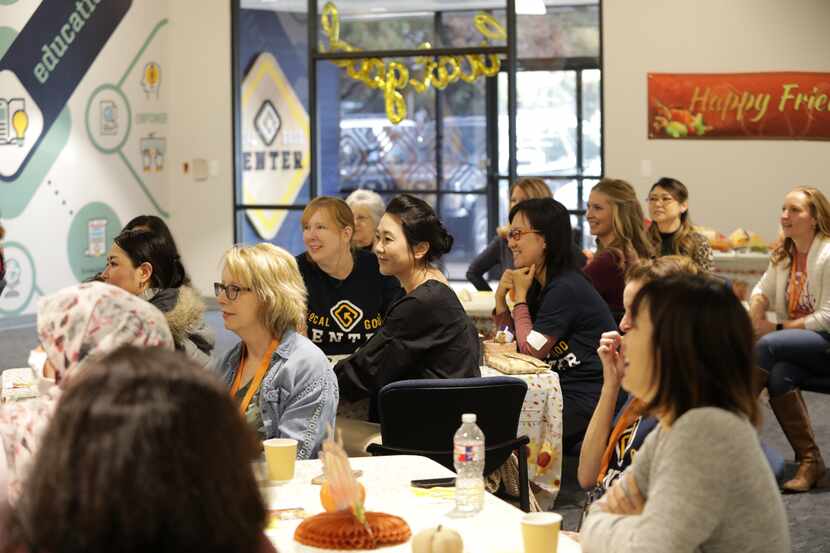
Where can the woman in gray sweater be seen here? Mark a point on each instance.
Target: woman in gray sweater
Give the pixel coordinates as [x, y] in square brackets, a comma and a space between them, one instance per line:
[700, 477]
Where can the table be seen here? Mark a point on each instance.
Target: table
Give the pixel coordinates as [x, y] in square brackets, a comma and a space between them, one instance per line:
[743, 269]
[541, 421]
[479, 307]
[495, 529]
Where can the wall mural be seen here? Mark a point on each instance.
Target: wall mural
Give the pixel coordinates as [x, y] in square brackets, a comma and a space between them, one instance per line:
[83, 127]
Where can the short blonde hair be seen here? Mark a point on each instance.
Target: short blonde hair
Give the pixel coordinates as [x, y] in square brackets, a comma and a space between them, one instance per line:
[272, 274]
[532, 187]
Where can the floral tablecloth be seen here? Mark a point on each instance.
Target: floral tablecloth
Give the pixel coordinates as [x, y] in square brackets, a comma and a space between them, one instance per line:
[541, 421]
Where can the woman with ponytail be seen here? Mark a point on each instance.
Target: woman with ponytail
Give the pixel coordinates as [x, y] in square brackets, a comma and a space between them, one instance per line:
[426, 333]
[144, 261]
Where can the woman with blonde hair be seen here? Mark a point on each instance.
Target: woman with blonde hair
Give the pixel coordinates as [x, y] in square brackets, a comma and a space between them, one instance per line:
[797, 287]
[671, 229]
[282, 382]
[347, 295]
[616, 219]
[497, 252]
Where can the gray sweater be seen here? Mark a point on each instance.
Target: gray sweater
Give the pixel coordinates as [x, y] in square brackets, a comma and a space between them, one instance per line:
[708, 488]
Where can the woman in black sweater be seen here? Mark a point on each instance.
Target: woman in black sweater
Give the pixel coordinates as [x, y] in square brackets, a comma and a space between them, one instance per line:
[426, 333]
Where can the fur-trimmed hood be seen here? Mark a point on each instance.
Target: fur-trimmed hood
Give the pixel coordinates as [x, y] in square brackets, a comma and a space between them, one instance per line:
[184, 310]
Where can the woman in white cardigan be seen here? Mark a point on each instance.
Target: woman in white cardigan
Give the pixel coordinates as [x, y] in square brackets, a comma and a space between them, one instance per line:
[797, 287]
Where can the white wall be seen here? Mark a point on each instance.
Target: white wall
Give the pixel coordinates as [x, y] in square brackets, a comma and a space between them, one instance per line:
[731, 182]
[199, 54]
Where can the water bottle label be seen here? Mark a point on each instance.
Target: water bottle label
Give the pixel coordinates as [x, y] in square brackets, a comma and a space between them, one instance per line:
[466, 453]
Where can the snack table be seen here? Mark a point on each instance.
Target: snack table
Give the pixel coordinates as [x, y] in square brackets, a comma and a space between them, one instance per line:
[497, 528]
[743, 269]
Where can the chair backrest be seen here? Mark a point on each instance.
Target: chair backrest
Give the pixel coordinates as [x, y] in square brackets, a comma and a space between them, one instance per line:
[425, 414]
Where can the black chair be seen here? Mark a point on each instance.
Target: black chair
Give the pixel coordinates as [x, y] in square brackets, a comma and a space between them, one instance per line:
[420, 417]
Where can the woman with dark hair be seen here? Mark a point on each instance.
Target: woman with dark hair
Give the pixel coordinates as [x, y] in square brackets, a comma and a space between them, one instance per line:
[427, 333]
[347, 295]
[797, 287]
[497, 253]
[700, 477]
[616, 219]
[671, 229]
[130, 463]
[155, 224]
[558, 315]
[145, 262]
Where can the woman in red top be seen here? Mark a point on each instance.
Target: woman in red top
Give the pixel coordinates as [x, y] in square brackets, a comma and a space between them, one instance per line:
[616, 219]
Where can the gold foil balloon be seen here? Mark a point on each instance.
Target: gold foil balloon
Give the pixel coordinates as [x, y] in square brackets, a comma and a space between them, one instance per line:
[397, 75]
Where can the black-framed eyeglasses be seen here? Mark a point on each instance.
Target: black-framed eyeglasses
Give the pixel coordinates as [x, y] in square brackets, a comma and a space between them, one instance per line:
[517, 233]
[231, 290]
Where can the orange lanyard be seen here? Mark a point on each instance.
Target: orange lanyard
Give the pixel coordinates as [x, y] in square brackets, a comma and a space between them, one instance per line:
[257, 380]
[626, 419]
[798, 279]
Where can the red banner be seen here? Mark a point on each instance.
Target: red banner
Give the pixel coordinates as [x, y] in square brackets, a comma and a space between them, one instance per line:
[789, 106]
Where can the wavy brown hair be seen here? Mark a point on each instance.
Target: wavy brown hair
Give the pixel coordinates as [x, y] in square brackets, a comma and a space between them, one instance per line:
[631, 242]
[684, 242]
[702, 346]
[145, 452]
[819, 208]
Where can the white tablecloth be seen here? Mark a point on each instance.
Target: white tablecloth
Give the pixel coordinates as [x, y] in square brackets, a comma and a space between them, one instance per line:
[495, 529]
[541, 421]
[743, 269]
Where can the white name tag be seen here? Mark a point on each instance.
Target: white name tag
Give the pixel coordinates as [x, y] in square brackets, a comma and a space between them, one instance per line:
[537, 340]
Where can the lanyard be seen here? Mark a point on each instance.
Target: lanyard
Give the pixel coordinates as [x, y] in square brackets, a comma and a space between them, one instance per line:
[798, 280]
[626, 419]
[257, 380]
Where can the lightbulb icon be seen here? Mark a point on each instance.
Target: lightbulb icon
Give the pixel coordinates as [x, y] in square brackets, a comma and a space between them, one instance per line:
[20, 122]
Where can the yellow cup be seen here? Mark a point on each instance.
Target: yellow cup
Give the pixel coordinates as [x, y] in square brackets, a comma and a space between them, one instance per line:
[540, 532]
[280, 454]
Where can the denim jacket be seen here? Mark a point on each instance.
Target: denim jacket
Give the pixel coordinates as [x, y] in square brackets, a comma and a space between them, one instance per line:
[298, 396]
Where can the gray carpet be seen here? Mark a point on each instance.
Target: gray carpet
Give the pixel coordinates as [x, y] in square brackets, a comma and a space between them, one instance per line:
[809, 514]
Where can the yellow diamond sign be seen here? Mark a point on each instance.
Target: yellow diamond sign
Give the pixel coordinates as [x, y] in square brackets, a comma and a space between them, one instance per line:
[275, 144]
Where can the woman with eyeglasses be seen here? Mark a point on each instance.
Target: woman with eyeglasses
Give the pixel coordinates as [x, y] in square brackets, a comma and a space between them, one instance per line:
[671, 229]
[347, 295]
[557, 316]
[616, 219]
[145, 262]
[497, 253]
[700, 481]
[282, 382]
[797, 287]
[427, 333]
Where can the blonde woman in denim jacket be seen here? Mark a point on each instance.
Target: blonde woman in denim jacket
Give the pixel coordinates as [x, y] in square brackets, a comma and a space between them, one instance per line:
[282, 382]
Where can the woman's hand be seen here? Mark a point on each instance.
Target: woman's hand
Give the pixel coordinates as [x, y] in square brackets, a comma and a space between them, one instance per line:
[613, 363]
[762, 327]
[505, 283]
[623, 497]
[522, 279]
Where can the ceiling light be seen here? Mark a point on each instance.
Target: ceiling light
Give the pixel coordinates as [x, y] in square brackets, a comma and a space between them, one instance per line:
[531, 7]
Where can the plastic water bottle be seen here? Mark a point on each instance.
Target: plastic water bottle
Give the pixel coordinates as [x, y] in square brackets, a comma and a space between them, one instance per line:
[468, 458]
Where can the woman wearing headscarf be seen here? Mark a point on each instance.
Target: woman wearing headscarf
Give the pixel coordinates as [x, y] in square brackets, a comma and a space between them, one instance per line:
[75, 325]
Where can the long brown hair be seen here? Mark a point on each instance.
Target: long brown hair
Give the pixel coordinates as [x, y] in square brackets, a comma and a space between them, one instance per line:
[684, 242]
[819, 209]
[631, 242]
[702, 346]
[145, 452]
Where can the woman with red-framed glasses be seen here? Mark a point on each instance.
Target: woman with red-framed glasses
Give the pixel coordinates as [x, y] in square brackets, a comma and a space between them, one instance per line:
[558, 316]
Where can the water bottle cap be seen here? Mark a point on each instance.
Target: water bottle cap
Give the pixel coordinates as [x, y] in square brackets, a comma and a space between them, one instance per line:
[468, 417]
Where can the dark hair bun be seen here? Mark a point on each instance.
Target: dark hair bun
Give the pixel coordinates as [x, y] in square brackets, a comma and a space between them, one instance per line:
[421, 224]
